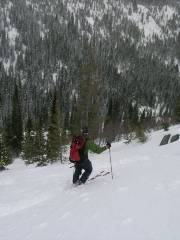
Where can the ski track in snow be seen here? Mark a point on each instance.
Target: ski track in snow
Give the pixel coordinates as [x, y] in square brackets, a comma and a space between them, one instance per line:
[141, 203]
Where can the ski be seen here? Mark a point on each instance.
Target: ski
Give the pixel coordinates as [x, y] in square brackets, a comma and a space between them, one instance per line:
[106, 173]
[97, 175]
[101, 174]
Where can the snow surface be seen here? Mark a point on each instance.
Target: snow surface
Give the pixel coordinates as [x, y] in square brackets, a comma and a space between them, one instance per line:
[141, 203]
[13, 34]
[90, 20]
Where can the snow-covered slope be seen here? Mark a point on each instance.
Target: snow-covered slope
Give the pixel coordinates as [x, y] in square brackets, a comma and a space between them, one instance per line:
[142, 23]
[141, 203]
[151, 20]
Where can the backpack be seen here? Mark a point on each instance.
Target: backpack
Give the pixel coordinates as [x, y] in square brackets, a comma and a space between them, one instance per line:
[78, 142]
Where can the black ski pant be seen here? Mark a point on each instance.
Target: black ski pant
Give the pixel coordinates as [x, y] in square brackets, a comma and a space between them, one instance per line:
[86, 165]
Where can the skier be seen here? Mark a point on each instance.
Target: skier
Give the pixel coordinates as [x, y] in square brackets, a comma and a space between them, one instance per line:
[84, 163]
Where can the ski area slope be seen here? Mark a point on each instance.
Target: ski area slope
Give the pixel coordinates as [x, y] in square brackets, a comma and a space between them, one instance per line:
[141, 203]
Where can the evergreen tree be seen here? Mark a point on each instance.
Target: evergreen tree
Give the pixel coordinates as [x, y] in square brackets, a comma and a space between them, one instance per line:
[130, 120]
[29, 125]
[75, 121]
[40, 147]
[134, 117]
[165, 125]
[8, 134]
[16, 123]
[135, 8]
[127, 127]
[140, 133]
[1, 114]
[28, 142]
[177, 110]
[28, 153]
[53, 138]
[178, 46]
[143, 117]
[5, 157]
[112, 121]
[90, 91]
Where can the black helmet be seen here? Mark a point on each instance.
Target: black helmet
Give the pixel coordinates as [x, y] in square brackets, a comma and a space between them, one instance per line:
[85, 130]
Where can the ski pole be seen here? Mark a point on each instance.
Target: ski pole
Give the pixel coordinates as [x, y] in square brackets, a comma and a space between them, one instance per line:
[111, 163]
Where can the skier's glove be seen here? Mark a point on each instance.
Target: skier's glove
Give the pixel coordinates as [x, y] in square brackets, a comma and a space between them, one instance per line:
[108, 145]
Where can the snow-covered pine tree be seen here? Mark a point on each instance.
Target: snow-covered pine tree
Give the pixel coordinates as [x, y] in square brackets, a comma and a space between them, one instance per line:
[16, 123]
[40, 147]
[53, 137]
[28, 142]
[112, 121]
[5, 157]
[177, 111]
[28, 147]
[140, 133]
[75, 123]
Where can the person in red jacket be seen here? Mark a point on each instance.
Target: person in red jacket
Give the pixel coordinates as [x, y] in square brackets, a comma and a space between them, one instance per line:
[84, 163]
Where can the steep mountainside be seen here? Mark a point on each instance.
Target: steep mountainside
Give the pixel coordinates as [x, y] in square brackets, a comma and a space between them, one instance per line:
[123, 51]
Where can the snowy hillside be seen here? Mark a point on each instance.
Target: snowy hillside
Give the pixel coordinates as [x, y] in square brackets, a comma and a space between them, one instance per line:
[141, 203]
[151, 20]
[130, 46]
